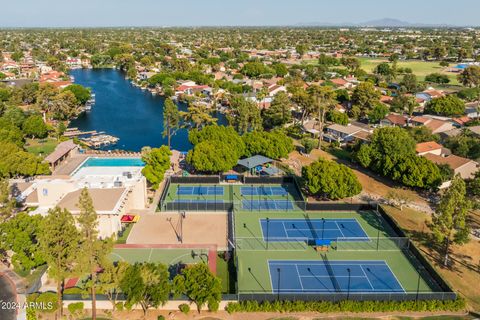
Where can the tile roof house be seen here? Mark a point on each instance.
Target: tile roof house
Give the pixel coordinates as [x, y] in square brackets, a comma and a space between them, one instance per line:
[466, 168]
[393, 120]
[475, 130]
[435, 125]
[429, 147]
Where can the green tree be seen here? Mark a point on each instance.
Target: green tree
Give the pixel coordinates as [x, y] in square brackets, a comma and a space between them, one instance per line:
[378, 113]
[330, 180]
[404, 103]
[146, 284]
[110, 279]
[323, 99]
[81, 93]
[275, 144]
[200, 286]
[384, 71]
[171, 119]
[212, 156]
[422, 134]
[93, 252]
[439, 78]
[351, 63]
[449, 224]
[410, 83]
[446, 106]
[198, 116]
[470, 77]
[365, 96]
[59, 242]
[157, 162]
[245, 115]
[34, 127]
[20, 235]
[7, 202]
[308, 144]
[337, 117]
[279, 112]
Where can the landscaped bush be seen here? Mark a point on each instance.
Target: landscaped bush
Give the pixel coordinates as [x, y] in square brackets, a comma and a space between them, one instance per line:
[184, 308]
[75, 309]
[160, 317]
[48, 300]
[346, 306]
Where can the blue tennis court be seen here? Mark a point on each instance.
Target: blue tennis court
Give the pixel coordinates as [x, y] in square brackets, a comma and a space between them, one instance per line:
[332, 276]
[311, 229]
[263, 191]
[200, 190]
[267, 205]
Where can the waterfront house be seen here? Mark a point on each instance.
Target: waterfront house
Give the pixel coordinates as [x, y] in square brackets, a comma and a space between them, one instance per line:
[62, 152]
[115, 191]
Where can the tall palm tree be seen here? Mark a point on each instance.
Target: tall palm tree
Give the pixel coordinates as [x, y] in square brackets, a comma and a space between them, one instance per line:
[323, 99]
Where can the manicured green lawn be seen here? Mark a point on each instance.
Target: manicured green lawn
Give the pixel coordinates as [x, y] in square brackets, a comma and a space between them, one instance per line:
[42, 147]
[419, 68]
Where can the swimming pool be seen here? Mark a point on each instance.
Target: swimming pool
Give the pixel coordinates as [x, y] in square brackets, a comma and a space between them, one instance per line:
[112, 162]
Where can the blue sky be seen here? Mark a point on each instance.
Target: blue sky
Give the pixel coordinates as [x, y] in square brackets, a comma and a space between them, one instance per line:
[85, 13]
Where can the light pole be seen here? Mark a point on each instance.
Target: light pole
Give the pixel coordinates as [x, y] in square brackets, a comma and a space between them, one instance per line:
[278, 285]
[251, 199]
[268, 224]
[323, 227]
[418, 283]
[348, 288]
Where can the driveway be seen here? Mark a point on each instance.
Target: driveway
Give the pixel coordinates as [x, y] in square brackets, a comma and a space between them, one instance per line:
[7, 294]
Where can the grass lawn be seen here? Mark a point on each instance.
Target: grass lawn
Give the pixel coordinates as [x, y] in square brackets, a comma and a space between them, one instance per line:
[124, 235]
[464, 273]
[419, 68]
[42, 147]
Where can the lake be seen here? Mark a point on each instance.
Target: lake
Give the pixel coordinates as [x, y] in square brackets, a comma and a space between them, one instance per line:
[127, 112]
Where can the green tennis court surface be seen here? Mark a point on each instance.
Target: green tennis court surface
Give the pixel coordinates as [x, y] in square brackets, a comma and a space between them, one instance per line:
[256, 255]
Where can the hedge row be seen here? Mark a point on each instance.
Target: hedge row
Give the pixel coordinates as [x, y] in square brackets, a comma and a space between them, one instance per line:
[346, 306]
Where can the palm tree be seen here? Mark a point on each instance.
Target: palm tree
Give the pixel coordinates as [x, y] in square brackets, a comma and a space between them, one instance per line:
[323, 99]
[198, 115]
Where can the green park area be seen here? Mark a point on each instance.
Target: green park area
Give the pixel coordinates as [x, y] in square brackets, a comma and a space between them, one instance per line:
[42, 147]
[419, 68]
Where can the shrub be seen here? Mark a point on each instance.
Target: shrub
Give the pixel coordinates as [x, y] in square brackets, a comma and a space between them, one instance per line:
[309, 144]
[346, 306]
[213, 305]
[76, 308]
[184, 308]
[160, 317]
[48, 300]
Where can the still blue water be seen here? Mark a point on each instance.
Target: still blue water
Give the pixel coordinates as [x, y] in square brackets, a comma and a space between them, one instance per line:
[113, 162]
[127, 112]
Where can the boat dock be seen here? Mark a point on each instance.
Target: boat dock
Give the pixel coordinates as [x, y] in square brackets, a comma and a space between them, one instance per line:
[99, 141]
[74, 132]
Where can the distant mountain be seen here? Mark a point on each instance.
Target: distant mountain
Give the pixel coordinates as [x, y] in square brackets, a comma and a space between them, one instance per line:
[386, 22]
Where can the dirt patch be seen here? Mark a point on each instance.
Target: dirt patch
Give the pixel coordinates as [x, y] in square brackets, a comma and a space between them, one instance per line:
[464, 272]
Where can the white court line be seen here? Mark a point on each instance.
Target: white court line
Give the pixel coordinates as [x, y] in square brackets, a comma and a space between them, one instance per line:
[299, 277]
[373, 289]
[394, 275]
[269, 272]
[343, 236]
[150, 255]
[329, 276]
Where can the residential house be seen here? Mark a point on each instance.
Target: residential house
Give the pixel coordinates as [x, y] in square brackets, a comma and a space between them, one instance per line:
[62, 152]
[475, 130]
[428, 95]
[466, 168]
[394, 120]
[435, 125]
[344, 134]
[431, 147]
